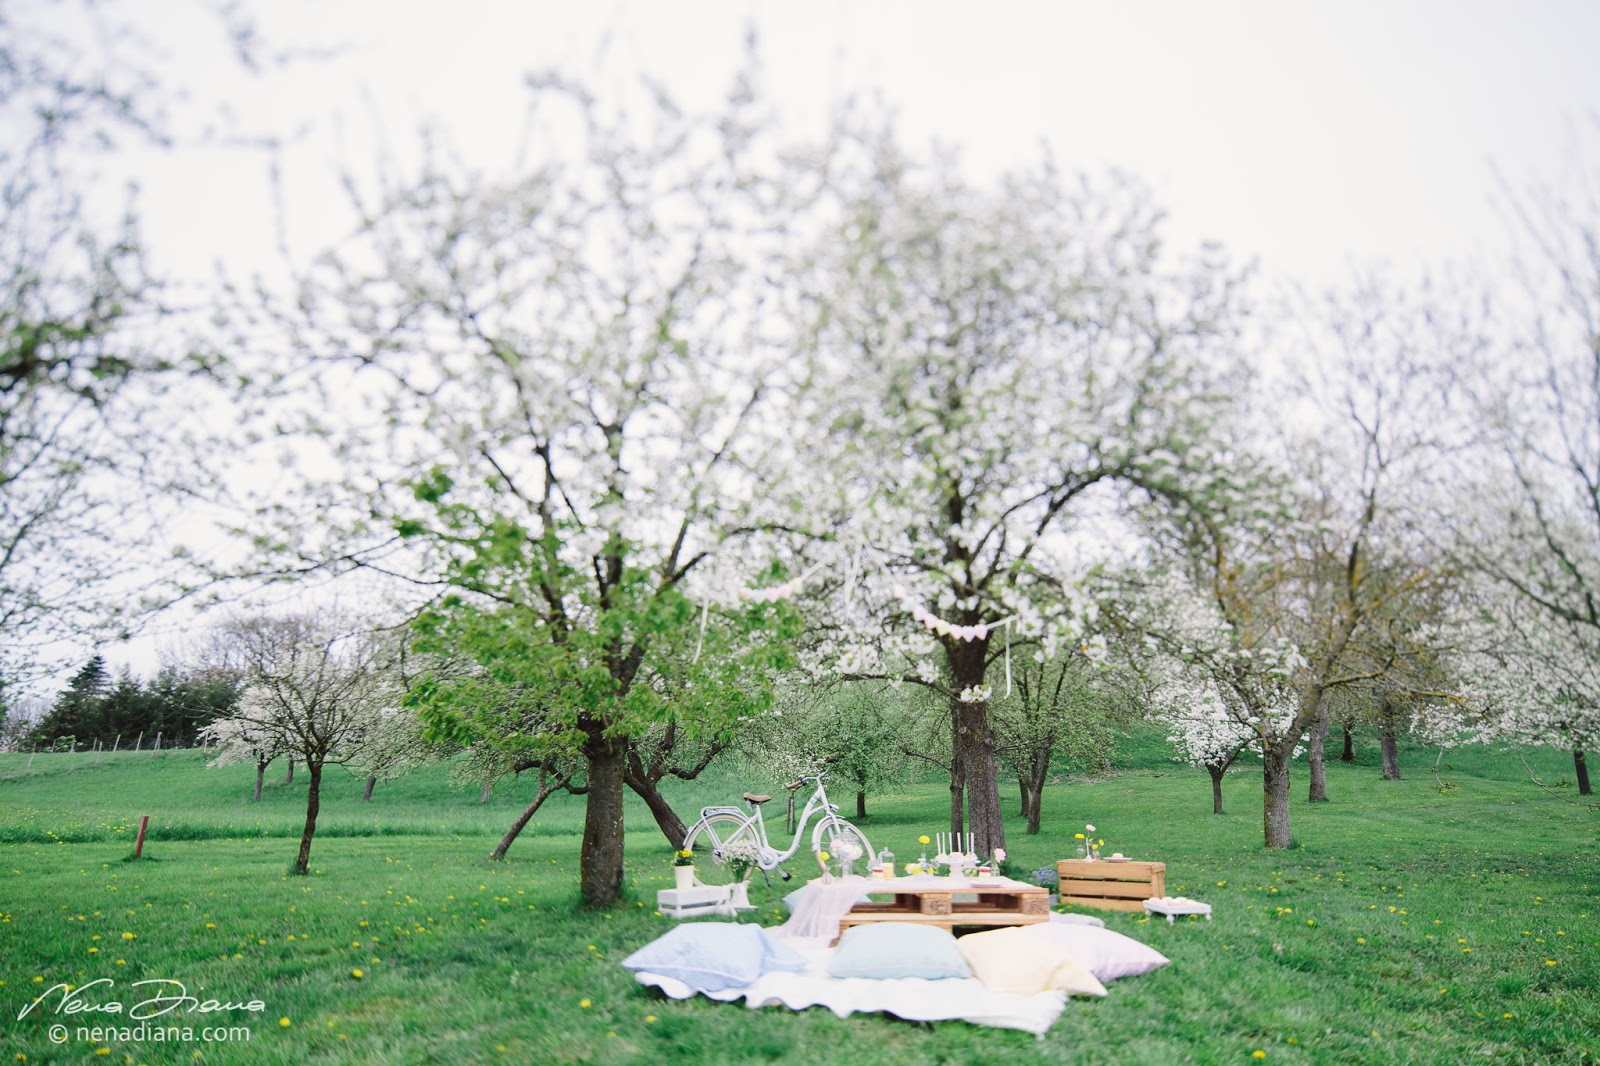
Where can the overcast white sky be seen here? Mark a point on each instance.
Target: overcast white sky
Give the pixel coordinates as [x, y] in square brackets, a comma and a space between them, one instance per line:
[1309, 136]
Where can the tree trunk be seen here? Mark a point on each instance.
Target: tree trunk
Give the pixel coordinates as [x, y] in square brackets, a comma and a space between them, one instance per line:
[957, 798]
[1035, 808]
[485, 792]
[289, 778]
[975, 742]
[861, 803]
[1391, 757]
[1316, 744]
[600, 865]
[667, 819]
[313, 801]
[1216, 773]
[523, 819]
[1582, 769]
[1349, 752]
[1038, 775]
[1022, 787]
[261, 775]
[1275, 793]
[372, 779]
[972, 747]
[788, 815]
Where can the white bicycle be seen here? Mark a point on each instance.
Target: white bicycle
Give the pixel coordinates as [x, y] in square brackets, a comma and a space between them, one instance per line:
[720, 827]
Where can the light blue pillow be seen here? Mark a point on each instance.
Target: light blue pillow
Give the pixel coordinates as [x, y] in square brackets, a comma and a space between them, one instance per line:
[711, 956]
[706, 956]
[778, 955]
[895, 949]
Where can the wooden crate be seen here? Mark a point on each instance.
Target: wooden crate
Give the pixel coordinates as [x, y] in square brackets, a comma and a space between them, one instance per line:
[1113, 886]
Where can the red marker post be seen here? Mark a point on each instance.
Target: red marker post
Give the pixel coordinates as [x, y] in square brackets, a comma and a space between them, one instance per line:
[138, 844]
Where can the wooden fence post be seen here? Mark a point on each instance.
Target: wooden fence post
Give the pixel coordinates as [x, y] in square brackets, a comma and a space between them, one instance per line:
[140, 742]
[138, 844]
[117, 744]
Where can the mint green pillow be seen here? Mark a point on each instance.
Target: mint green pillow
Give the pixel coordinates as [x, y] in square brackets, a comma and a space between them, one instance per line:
[898, 949]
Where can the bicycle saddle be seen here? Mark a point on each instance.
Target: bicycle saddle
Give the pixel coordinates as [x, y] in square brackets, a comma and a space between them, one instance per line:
[758, 800]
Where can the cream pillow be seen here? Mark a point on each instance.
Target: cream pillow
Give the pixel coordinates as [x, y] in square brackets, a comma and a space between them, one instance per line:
[1020, 961]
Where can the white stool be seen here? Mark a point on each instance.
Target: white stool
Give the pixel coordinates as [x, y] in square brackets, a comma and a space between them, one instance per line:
[700, 900]
[1174, 907]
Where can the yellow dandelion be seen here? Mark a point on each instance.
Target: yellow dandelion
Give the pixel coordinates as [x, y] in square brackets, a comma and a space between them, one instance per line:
[284, 1022]
[1258, 1054]
[923, 839]
[356, 974]
[584, 1004]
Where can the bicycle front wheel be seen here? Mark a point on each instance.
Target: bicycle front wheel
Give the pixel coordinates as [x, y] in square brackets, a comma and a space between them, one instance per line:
[710, 838]
[833, 835]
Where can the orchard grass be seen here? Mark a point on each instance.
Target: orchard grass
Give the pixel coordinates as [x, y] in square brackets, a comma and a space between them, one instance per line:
[1409, 924]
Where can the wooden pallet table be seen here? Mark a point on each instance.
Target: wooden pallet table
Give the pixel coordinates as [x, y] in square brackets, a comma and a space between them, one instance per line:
[1111, 885]
[949, 901]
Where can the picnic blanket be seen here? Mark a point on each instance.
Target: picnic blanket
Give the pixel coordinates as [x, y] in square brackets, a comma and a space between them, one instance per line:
[912, 998]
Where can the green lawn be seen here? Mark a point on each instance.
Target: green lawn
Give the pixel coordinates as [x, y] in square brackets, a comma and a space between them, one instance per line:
[1409, 925]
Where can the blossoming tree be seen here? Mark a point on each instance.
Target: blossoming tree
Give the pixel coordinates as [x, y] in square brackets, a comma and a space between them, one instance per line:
[575, 380]
[313, 691]
[989, 361]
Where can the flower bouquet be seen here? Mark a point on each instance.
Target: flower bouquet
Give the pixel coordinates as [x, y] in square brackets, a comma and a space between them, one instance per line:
[741, 856]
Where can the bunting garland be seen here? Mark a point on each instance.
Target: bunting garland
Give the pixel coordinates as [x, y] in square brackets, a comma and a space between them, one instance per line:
[938, 625]
[786, 591]
[791, 588]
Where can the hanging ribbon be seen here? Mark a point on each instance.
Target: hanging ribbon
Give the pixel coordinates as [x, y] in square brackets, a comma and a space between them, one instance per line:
[705, 612]
[785, 591]
[1008, 656]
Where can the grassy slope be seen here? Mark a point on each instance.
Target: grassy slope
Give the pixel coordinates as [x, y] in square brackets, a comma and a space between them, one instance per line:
[1409, 925]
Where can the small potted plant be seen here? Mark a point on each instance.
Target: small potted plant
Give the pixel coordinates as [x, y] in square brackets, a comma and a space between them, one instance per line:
[683, 867]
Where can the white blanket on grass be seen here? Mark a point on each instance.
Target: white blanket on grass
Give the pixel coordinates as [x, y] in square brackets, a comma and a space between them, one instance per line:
[915, 999]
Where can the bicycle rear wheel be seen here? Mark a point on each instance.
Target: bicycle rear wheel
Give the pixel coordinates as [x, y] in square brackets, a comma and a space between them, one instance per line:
[831, 833]
[710, 838]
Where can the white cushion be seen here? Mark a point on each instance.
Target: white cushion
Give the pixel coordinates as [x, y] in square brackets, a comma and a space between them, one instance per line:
[1108, 955]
